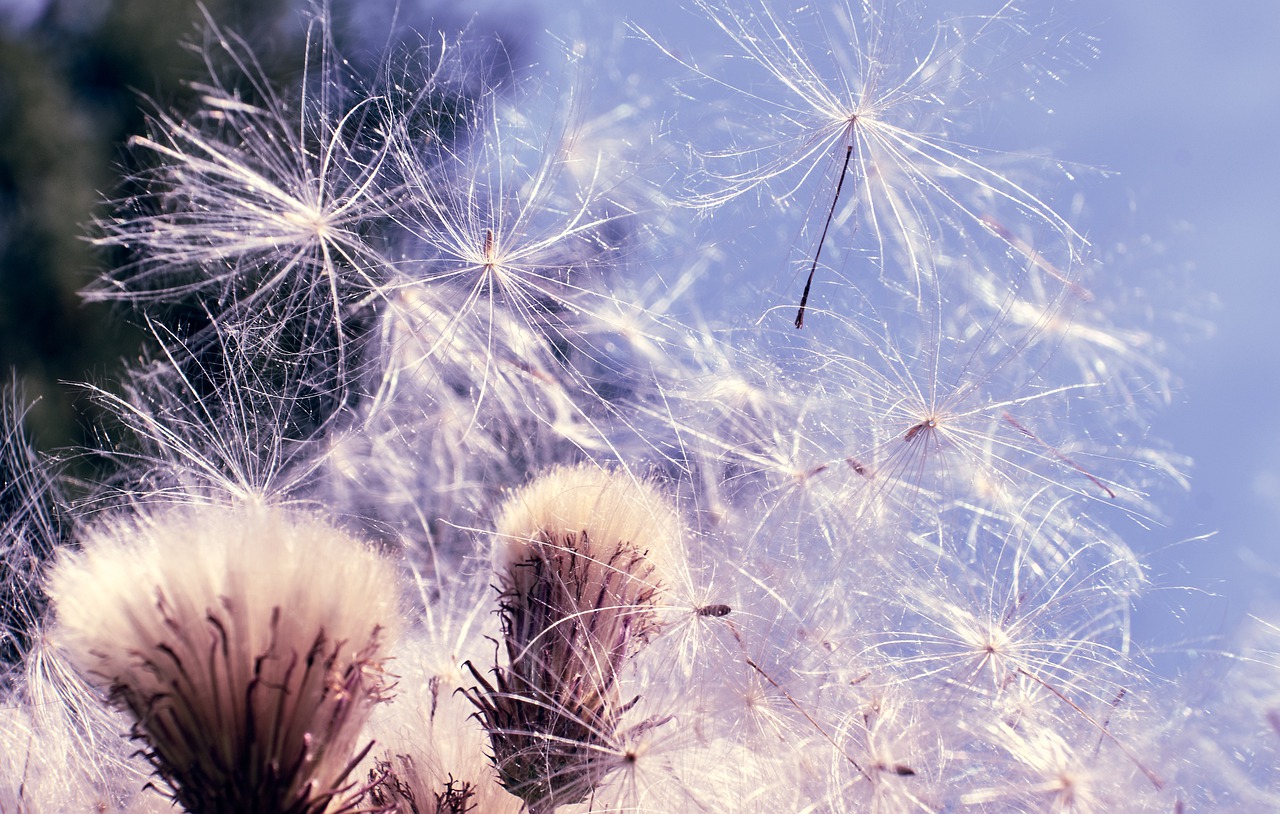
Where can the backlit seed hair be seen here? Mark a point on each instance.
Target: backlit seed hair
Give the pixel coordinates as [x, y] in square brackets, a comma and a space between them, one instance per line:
[248, 645]
[583, 554]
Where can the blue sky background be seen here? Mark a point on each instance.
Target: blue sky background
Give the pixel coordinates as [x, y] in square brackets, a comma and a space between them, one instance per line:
[1182, 106]
[1184, 103]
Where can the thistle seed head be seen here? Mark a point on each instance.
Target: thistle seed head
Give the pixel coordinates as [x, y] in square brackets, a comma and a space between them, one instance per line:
[583, 554]
[598, 544]
[248, 645]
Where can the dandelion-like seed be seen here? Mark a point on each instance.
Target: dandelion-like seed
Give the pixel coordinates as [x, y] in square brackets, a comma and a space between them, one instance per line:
[842, 88]
[957, 418]
[1065, 770]
[584, 553]
[1022, 614]
[247, 644]
[260, 201]
[897, 753]
[506, 232]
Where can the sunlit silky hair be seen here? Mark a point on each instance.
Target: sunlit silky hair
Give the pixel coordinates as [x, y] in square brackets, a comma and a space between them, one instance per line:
[30, 530]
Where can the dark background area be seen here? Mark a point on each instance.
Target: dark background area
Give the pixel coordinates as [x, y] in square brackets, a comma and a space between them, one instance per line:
[75, 77]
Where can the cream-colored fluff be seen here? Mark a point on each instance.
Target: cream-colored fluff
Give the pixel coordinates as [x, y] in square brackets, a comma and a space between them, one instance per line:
[597, 512]
[607, 540]
[431, 748]
[247, 642]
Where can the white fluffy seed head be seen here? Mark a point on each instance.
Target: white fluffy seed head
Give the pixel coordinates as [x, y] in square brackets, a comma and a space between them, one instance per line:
[606, 540]
[598, 514]
[247, 643]
[583, 552]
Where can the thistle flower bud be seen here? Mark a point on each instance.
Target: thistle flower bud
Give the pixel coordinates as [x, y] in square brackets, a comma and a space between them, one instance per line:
[583, 554]
[247, 644]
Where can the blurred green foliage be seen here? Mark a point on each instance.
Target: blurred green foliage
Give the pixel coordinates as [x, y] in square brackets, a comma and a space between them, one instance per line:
[72, 82]
[77, 78]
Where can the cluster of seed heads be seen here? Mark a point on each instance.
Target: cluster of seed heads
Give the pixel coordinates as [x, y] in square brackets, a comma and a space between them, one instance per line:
[722, 434]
